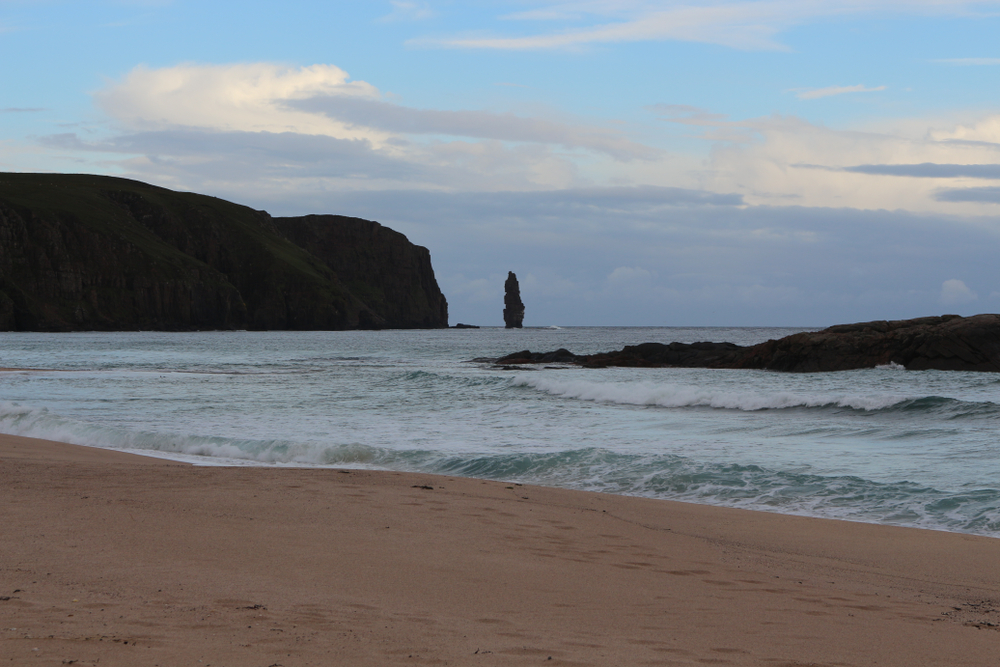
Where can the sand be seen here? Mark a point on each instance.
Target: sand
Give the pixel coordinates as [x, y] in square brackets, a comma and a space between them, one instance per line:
[113, 559]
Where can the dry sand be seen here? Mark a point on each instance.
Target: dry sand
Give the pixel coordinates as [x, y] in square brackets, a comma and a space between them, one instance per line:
[112, 559]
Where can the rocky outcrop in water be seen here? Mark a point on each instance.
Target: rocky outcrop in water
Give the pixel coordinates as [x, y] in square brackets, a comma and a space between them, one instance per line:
[948, 342]
[513, 312]
[82, 252]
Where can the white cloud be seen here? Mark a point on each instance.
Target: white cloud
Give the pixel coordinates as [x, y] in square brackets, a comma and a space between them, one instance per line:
[835, 90]
[628, 277]
[742, 25]
[782, 160]
[322, 100]
[380, 115]
[985, 130]
[969, 61]
[403, 10]
[955, 292]
[282, 123]
[248, 97]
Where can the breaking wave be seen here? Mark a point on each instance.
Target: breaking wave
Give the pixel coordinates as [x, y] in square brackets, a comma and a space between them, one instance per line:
[664, 476]
[690, 396]
[44, 424]
[654, 475]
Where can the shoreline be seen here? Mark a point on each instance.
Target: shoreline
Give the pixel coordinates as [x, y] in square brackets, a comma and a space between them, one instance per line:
[126, 559]
[197, 460]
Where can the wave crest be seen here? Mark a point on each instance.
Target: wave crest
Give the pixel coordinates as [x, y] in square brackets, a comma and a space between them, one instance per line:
[684, 396]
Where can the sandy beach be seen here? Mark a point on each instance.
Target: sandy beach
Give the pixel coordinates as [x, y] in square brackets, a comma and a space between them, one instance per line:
[113, 559]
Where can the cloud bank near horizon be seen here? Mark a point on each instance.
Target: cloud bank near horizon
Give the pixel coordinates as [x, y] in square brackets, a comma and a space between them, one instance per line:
[299, 128]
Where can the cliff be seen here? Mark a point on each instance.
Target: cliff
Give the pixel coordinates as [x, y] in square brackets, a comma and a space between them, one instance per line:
[82, 252]
[948, 342]
[377, 264]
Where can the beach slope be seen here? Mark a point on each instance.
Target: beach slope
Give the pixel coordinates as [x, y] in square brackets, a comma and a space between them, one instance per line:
[112, 559]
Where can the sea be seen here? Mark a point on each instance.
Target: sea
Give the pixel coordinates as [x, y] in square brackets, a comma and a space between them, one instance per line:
[880, 445]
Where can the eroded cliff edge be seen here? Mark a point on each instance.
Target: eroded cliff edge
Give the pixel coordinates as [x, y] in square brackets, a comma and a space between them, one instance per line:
[80, 252]
[947, 342]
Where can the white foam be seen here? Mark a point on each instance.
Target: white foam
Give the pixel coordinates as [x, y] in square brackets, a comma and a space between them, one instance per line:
[679, 396]
[41, 423]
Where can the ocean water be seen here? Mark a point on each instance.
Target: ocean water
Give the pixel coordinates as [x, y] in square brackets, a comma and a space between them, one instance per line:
[879, 445]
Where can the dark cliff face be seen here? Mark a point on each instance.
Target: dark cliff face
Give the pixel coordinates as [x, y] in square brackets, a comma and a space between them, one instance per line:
[89, 252]
[389, 274]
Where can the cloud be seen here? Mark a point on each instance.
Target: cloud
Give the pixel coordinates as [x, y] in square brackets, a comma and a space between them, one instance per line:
[930, 170]
[969, 61]
[437, 148]
[835, 90]
[749, 25]
[298, 129]
[955, 292]
[248, 97]
[989, 195]
[250, 156]
[388, 117]
[741, 25]
[477, 291]
[645, 197]
[778, 160]
[984, 131]
[408, 11]
[687, 115]
[687, 264]
[625, 278]
[242, 164]
[303, 128]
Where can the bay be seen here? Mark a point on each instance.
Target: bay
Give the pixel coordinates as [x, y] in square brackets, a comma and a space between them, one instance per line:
[880, 445]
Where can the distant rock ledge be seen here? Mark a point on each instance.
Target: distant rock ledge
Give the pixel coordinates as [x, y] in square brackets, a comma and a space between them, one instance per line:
[947, 343]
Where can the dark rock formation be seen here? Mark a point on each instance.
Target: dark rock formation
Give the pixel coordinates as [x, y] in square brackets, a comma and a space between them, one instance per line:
[513, 312]
[466, 326]
[84, 252]
[560, 356]
[380, 266]
[948, 342]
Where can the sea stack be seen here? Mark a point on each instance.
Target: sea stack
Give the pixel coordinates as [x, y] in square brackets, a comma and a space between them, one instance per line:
[513, 312]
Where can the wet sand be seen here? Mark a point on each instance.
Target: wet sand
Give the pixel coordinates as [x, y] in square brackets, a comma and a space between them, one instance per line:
[112, 559]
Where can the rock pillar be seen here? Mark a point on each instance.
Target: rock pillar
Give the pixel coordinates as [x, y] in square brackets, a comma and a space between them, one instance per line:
[513, 312]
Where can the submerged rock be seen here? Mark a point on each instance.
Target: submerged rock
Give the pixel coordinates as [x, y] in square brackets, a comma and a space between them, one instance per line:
[947, 342]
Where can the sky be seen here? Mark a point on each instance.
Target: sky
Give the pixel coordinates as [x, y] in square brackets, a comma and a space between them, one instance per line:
[634, 162]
